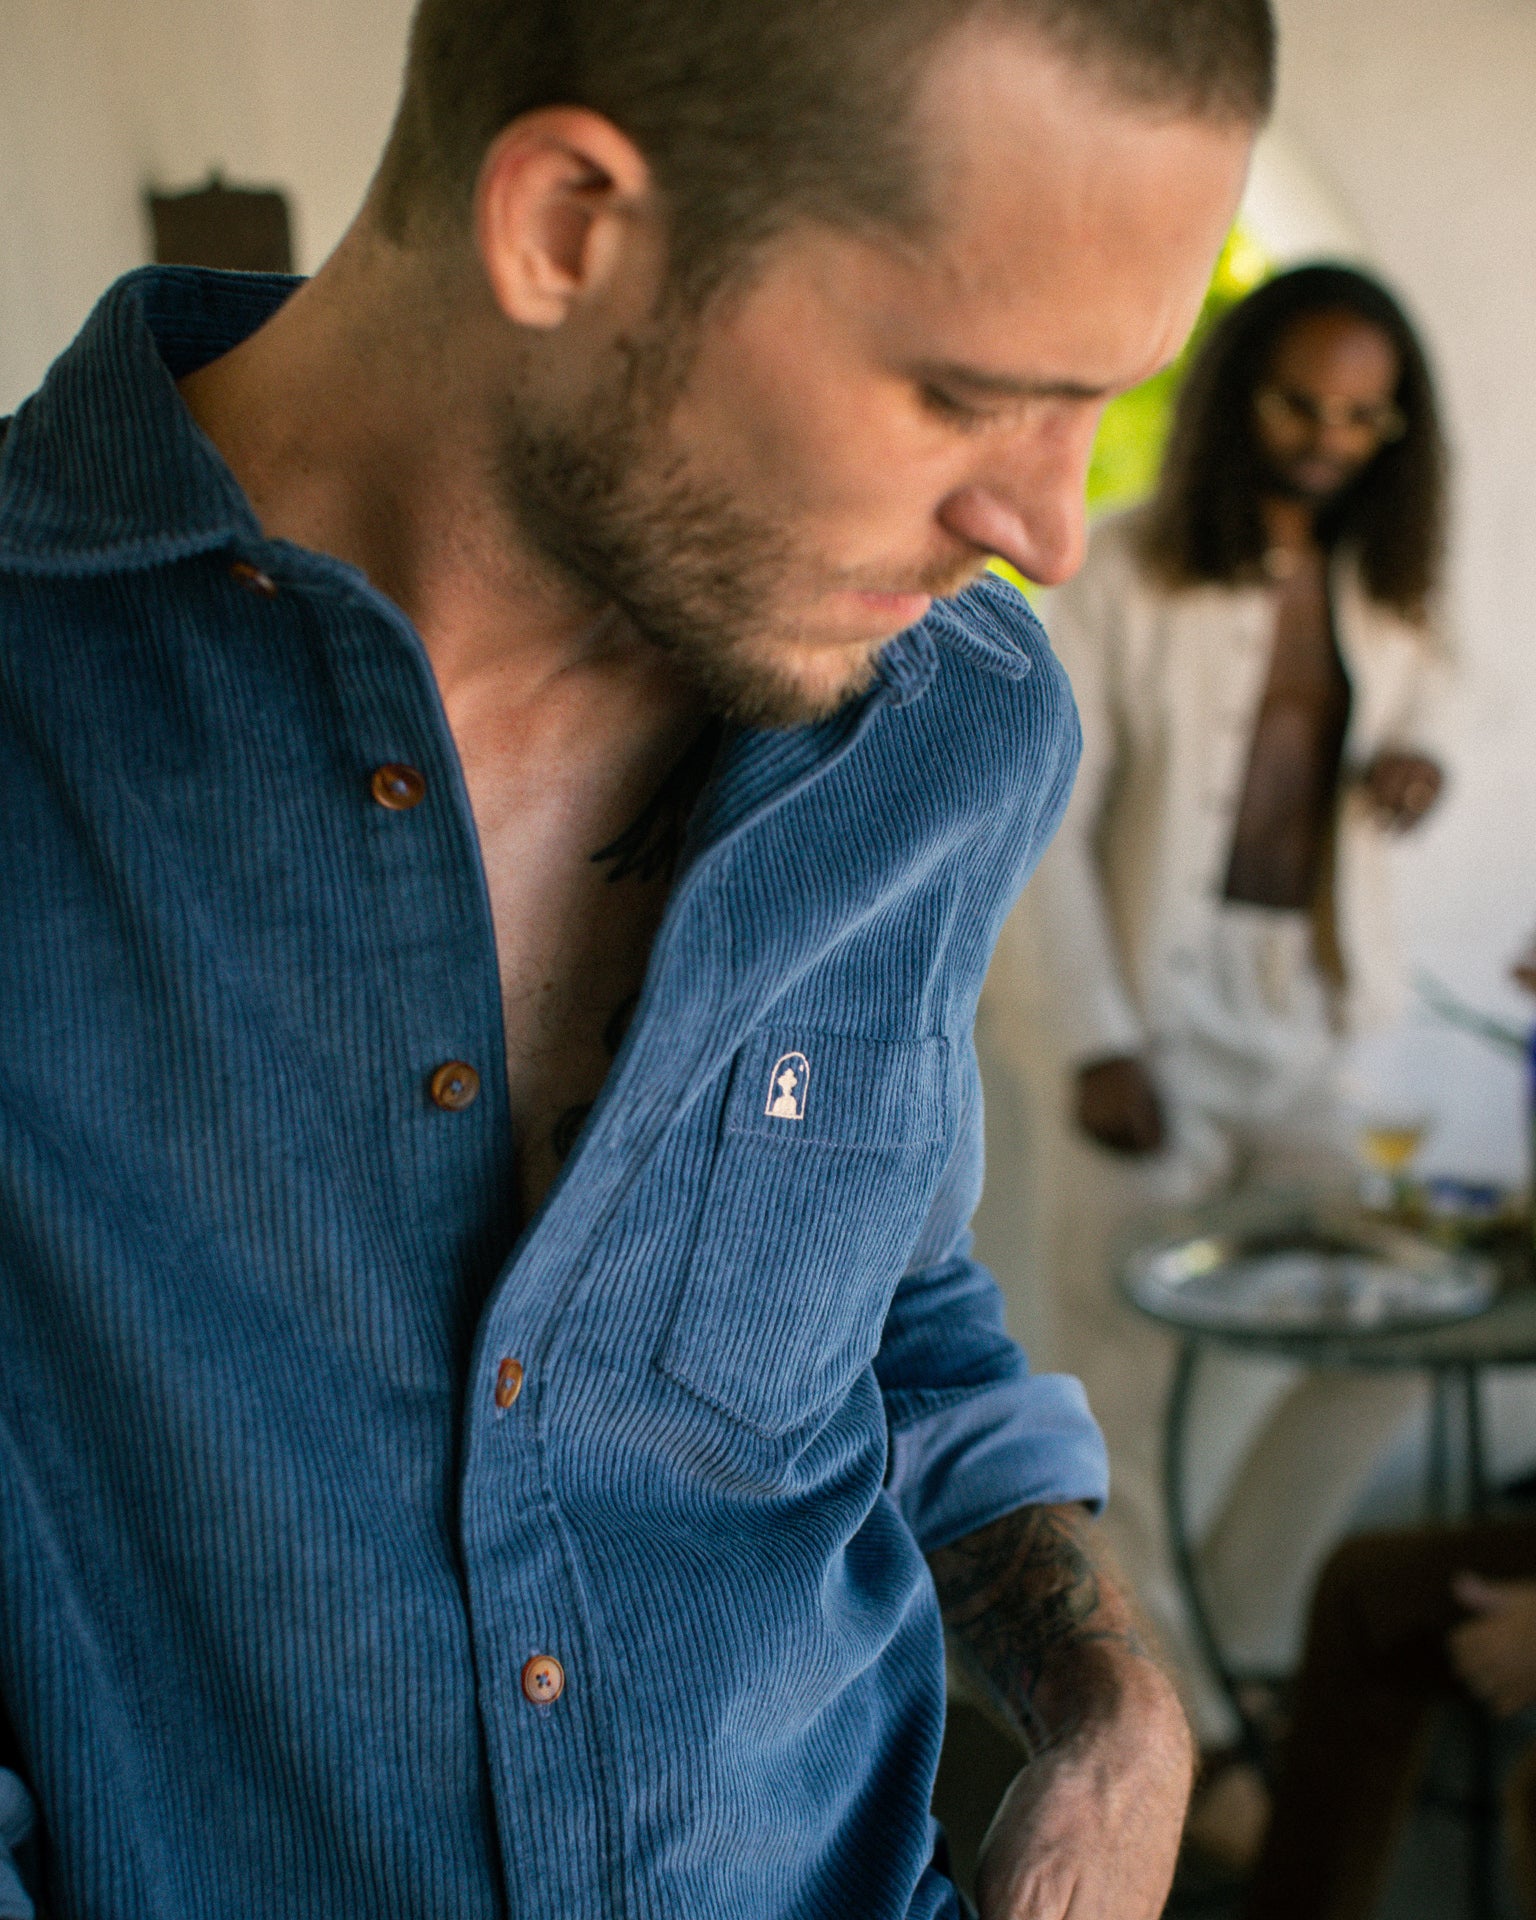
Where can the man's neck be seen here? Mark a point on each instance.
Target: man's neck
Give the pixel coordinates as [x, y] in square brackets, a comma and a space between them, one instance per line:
[355, 429]
[1290, 525]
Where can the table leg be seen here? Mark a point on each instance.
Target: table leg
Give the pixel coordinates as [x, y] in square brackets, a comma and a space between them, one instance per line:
[1175, 1501]
[1437, 1465]
[1477, 1468]
[1483, 1818]
[1482, 1836]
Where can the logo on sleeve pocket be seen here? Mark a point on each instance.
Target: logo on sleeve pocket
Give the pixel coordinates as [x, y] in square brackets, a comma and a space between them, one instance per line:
[787, 1086]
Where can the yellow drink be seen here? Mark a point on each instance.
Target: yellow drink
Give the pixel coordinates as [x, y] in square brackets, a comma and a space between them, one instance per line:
[1390, 1146]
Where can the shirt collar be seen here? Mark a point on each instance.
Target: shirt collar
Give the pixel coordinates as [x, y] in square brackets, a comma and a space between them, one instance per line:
[990, 624]
[105, 469]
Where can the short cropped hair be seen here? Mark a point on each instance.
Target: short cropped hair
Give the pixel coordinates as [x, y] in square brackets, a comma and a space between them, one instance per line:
[1205, 524]
[753, 114]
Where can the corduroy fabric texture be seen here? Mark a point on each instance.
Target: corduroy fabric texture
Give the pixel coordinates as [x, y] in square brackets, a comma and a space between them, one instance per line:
[271, 1557]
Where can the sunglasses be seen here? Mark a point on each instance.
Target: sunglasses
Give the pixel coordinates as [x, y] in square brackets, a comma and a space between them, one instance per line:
[1287, 410]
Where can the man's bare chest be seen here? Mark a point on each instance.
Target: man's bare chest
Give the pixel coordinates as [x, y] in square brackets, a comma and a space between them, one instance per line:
[1304, 667]
[579, 869]
[1284, 814]
[572, 954]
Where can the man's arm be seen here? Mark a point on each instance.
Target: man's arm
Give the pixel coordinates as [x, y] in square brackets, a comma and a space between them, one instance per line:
[993, 1468]
[1091, 1824]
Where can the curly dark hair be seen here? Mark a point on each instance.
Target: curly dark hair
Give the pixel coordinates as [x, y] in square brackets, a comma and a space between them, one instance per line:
[1204, 521]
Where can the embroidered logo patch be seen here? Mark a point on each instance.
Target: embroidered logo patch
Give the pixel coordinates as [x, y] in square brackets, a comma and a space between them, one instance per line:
[786, 1087]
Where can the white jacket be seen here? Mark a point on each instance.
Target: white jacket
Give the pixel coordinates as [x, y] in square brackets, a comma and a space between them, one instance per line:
[1168, 683]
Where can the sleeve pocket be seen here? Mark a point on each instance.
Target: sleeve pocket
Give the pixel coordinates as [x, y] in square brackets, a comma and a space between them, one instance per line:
[829, 1154]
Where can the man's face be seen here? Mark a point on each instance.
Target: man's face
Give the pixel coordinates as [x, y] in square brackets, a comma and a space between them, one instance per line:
[1327, 405]
[774, 490]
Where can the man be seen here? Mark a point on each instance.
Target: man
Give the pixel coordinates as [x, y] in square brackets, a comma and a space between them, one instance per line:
[464, 1452]
[1401, 1623]
[1259, 678]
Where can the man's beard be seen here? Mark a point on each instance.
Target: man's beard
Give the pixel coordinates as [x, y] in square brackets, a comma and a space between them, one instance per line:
[614, 509]
[1280, 480]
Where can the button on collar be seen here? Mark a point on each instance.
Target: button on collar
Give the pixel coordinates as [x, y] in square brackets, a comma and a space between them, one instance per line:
[454, 1086]
[252, 578]
[398, 787]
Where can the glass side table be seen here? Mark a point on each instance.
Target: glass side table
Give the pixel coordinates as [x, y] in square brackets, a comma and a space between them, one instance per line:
[1317, 1282]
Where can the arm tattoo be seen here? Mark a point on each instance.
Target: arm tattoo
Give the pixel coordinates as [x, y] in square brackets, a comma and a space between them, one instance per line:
[1024, 1597]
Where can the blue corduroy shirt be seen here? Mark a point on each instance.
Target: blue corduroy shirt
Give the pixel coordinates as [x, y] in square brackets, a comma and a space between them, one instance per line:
[278, 1543]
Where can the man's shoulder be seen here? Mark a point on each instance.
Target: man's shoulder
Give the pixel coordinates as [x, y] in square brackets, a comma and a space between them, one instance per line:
[993, 740]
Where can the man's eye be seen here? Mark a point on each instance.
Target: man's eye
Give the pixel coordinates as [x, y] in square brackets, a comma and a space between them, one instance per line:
[945, 405]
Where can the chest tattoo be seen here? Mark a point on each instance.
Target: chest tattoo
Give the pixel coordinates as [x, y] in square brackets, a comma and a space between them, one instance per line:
[644, 857]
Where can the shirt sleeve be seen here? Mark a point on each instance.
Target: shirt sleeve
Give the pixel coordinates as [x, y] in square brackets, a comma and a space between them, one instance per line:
[1431, 720]
[16, 1822]
[974, 1434]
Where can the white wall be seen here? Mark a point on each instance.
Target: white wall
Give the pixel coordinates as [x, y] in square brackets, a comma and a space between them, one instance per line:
[1406, 138]
[100, 98]
[1420, 119]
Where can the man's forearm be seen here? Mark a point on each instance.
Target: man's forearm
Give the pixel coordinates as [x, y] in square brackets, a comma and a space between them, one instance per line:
[1037, 1614]
[1091, 1825]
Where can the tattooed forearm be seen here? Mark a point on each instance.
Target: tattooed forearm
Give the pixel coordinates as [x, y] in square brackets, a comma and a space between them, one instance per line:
[1027, 1604]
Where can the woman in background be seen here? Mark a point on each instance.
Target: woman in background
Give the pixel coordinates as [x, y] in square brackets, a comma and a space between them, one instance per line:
[1261, 676]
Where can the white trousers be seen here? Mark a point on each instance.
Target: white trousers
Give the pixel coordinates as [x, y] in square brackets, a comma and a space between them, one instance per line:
[1280, 1455]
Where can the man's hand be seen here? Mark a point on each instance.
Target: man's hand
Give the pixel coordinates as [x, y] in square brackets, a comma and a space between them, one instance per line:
[1495, 1651]
[1090, 1827]
[1402, 788]
[1117, 1105]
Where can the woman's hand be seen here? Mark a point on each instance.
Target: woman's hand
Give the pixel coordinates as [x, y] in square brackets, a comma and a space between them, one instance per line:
[1402, 788]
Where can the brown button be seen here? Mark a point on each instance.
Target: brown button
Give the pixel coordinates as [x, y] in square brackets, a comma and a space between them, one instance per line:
[543, 1679]
[455, 1086]
[253, 577]
[509, 1382]
[399, 788]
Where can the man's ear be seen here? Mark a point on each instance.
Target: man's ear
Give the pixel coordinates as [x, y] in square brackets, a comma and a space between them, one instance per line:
[559, 193]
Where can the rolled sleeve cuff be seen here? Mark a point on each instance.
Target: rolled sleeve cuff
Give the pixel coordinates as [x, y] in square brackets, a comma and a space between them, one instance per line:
[960, 1460]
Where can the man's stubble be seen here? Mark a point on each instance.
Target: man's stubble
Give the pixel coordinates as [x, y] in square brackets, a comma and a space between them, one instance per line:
[611, 503]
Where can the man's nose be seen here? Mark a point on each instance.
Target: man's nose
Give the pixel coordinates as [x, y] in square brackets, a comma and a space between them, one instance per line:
[1030, 510]
[1336, 439]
